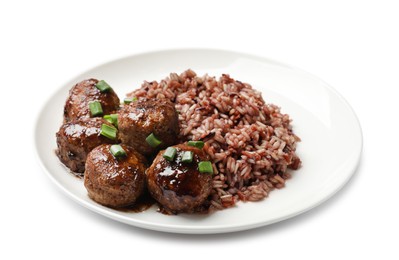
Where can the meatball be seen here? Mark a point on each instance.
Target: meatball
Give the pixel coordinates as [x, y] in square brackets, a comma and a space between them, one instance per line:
[77, 138]
[144, 117]
[84, 92]
[176, 185]
[114, 182]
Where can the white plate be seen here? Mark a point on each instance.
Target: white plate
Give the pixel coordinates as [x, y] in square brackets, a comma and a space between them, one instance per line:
[330, 132]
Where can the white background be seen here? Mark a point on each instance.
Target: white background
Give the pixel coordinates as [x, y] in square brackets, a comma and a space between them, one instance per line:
[352, 45]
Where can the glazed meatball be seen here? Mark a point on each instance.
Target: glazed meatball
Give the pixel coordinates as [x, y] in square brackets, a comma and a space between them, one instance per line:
[84, 92]
[179, 186]
[77, 138]
[144, 117]
[114, 182]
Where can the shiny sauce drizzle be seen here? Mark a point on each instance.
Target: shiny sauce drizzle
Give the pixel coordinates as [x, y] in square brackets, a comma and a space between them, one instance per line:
[179, 177]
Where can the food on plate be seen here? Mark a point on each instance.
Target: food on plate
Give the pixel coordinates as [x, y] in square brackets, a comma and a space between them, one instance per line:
[115, 175]
[250, 141]
[180, 178]
[76, 138]
[83, 94]
[218, 142]
[148, 125]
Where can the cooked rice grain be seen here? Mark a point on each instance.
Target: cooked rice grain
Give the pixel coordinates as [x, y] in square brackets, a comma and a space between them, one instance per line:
[250, 142]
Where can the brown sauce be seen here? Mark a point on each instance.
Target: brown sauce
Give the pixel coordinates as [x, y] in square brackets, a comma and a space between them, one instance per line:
[144, 202]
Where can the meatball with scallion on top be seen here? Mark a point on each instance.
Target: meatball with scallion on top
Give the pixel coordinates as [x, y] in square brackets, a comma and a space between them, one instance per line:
[90, 98]
[148, 125]
[115, 175]
[180, 177]
[75, 139]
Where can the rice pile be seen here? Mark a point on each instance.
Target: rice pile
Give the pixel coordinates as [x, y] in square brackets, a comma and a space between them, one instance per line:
[250, 142]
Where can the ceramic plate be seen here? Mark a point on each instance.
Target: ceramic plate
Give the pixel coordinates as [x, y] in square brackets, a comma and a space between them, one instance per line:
[330, 149]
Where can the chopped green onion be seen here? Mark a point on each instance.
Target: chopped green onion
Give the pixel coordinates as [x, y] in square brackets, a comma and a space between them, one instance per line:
[169, 153]
[112, 118]
[117, 151]
[129, 100]
[198, 144]
[205, 167]
[187, 157]
[103, 86]
[95, 108]
[153, 141]
[108, 131]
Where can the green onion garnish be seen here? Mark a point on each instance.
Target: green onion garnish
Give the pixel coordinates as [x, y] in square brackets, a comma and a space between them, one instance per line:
[112, 118]
[95, 108]
[187, 157]
[205, 167]
[153, 141]
[117, 151]
[108, 131]
[129, 100]
[198, 144]
[103, 86]
[169, 153]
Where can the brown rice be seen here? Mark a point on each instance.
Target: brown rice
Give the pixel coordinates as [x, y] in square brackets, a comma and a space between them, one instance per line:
[250, 142]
